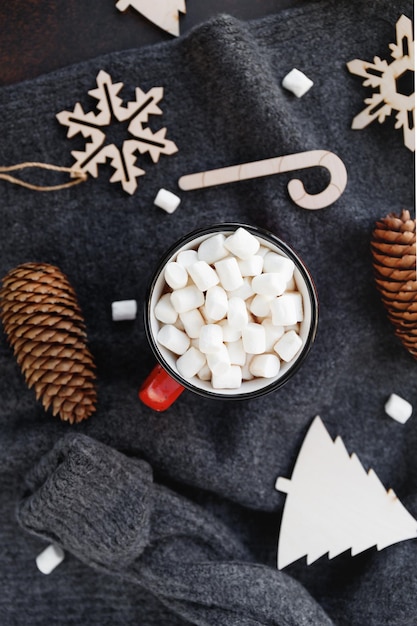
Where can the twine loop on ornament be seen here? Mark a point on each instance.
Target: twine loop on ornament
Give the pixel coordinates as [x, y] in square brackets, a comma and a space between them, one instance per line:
[77, 175]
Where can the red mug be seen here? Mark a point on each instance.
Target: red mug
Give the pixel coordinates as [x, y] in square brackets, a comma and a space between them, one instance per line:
[164, 384]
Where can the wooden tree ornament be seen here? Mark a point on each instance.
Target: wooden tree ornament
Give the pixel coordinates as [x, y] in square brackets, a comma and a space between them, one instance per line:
[393, 246]
[163, 13]
[45, 327]
[110, 109]
[278, 165]
[333, 504]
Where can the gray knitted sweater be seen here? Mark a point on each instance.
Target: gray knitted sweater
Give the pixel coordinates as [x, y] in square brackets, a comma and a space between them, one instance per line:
[173, 518]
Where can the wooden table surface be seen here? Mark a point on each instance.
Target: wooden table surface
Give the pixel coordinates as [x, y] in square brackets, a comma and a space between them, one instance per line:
[38, 36]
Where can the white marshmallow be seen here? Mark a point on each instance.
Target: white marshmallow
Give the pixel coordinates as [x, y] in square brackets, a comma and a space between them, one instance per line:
[274, 262]
[237, 315]
[253, 336]
[264, 366]
[204, 373]
[229, 332]
[167, 200]
[193, 322]
[251, 266]
[164, 311]
[237, 353]
[187, 257]
[187, 298]
[263, 250]
[269, 284]
[242, 244]
[173, 339]
[124, 310]
[212, 249]
[211, 338]
[245, 290]
[398, 408]
[203, 275]
[216, 303]
[175, 275]
[287, 309]
[219, 361]
[206, 316]
[191, 362]
[288, 346]
[246, 373]
[229, 273]
[272, 334]
[297, 82]
[49, 559]
[260, 306]
[231, 379]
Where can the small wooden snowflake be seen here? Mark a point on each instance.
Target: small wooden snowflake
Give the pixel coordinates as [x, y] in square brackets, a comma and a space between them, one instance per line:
[395, 82]
[134, 115]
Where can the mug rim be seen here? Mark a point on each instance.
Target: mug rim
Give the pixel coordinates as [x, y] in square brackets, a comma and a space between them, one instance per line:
[301, 267]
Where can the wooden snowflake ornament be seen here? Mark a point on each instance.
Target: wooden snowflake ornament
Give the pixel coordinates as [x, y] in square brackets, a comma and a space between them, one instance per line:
[394, 82]
[111, 109]
[333, 504]
[163, 13]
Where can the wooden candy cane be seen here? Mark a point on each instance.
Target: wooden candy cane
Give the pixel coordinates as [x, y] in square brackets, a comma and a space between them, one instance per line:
[278, 165]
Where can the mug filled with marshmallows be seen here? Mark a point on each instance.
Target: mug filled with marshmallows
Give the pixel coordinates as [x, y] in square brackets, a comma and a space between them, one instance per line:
[231, 313]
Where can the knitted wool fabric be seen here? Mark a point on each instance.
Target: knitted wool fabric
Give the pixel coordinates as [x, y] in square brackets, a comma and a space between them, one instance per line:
[223, 104]
[104, 508]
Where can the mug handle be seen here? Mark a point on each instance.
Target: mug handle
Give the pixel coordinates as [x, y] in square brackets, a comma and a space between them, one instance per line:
[159, 390]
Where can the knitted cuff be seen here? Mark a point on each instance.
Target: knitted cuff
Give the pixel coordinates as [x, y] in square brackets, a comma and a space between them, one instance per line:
[91, 499]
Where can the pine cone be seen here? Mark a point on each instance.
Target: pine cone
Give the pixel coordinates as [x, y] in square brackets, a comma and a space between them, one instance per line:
[393, 246]
[45, 327]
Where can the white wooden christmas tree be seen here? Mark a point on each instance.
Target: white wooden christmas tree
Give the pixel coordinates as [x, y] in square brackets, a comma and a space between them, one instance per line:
[163, 13]
[333, 504]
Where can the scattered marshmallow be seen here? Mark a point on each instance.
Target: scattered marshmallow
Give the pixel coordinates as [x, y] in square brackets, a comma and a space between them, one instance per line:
[229, 273]
[191, 362]
[398, 408]
[204, 373]
[167, 200]
[203, 275]
[50, 558]
[211, 338]
[242, 244]
[253, 337]
[231, 379]
[212, 249]
[297, 82]
[288, 346]
[230, 333]
[287, 309]
[216, 303]
[175, 275]
[187, 298]
[124, 310]
[264, 365]
[174, 339]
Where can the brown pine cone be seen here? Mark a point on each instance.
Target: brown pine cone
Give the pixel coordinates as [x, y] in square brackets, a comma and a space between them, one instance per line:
[393, 246]
[45, 327]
